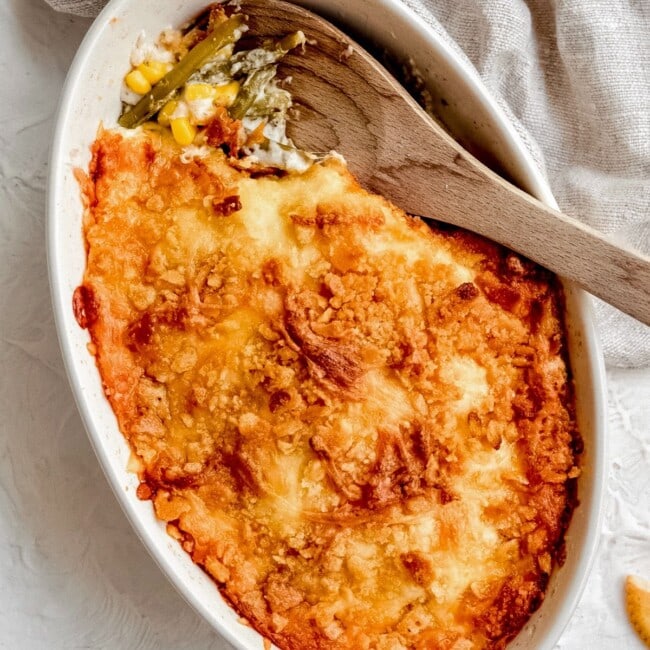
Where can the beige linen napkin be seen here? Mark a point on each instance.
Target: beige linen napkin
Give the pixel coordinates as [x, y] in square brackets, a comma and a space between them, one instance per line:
[574, 78]
[86, 8]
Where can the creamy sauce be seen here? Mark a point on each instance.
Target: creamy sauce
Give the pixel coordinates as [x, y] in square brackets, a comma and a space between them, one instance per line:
[146, 50]
[269, 103]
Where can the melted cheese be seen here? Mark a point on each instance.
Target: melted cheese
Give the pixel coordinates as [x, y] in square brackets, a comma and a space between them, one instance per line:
[359, 426]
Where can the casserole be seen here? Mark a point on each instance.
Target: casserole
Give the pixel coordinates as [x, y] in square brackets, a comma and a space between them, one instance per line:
[92, 95]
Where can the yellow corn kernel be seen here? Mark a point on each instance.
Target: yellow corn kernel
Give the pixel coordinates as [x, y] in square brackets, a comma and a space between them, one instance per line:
[154, 71]
[137, 82]
[226, 94]
[183, 130]
[199, 91]
[165, 113]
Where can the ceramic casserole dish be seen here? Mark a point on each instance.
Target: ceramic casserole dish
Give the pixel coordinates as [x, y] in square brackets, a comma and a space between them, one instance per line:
[91, 95]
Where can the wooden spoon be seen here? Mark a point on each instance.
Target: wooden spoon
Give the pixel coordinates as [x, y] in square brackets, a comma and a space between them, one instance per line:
[348, 102]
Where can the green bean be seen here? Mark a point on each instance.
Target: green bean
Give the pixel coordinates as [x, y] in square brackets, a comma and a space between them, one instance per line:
[158, 96]
[258, 78]
[214, 72]
[250, 60]
[250, 90]
[273, 101]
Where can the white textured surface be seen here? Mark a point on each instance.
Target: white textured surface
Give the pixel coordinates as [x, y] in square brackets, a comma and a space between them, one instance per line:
[73, 571]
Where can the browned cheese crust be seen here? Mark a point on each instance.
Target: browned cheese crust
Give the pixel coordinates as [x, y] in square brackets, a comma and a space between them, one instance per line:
[359, 425]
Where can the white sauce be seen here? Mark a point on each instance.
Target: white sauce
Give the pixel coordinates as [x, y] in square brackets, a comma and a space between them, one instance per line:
[193, 151]
[146, 50]
[181, 110]
[281, 157]
[252, 60]
[128, 96]
[279, 150]
[201, 109]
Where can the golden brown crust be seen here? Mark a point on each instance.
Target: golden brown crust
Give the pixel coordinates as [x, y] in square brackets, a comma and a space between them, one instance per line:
[360, 426]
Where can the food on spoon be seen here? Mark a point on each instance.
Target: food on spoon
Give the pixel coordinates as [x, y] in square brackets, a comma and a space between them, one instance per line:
[361, 426]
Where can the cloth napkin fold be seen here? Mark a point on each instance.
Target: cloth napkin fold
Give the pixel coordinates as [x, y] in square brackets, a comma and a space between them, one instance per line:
[574, 78]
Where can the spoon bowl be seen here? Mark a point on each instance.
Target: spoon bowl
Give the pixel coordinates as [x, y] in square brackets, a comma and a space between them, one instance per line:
[348, 102]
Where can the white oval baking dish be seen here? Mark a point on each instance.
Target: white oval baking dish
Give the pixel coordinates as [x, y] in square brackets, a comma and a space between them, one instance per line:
[91, 94]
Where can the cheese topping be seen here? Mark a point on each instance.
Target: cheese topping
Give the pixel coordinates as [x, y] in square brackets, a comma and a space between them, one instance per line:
[359, 425]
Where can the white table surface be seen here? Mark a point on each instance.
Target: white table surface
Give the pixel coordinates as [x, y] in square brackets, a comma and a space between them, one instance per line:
[73, 572]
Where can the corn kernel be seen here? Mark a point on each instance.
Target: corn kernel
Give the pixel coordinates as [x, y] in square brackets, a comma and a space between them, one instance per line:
[226, 94]
[166, 112]
[154, 71]
[199, 91]
[183, 130]
[137, 82]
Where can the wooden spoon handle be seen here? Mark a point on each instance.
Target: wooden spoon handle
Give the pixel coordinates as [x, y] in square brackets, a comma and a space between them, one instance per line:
[473, 197]
[424, 171]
